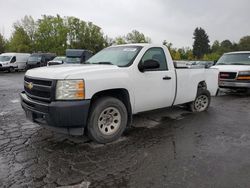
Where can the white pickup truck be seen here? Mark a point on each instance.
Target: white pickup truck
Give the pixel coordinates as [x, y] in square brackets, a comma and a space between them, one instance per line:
[234, 68]
[99, 97]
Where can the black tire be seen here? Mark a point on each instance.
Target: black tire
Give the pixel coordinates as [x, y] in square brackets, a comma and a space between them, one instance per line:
[11, 69]
[201, 102]
[104, 128]
[248, 91]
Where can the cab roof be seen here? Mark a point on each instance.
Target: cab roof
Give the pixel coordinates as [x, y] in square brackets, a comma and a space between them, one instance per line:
[139, 44]
[239, 52]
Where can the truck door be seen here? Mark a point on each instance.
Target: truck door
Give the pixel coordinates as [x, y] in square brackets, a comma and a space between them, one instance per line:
[156, 87]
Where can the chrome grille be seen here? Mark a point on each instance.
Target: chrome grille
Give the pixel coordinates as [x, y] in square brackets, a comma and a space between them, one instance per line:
[228, 75]
[38, 89]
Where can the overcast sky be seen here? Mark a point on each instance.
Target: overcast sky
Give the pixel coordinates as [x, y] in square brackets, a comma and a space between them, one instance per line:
[171, 20]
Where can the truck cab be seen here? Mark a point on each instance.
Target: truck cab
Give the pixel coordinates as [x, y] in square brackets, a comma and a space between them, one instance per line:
[8, 62]
[98, 98]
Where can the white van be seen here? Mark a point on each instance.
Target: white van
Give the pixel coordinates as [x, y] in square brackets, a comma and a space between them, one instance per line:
[13, 61]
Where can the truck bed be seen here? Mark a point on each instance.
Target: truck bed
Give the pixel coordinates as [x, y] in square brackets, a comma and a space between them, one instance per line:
[189, 78]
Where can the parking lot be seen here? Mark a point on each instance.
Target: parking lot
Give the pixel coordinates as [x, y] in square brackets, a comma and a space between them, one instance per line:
[167, 148]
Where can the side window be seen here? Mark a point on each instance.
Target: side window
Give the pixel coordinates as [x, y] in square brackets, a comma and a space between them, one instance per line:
[43, 59]
[158, 55]
[13, 60]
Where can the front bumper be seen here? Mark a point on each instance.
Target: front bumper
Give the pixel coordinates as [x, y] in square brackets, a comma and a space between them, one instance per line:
[234, 84]
[68, 115]
[2, 68]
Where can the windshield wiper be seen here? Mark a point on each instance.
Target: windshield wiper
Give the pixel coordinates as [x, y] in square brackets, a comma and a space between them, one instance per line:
[103, 63]
[239, 64]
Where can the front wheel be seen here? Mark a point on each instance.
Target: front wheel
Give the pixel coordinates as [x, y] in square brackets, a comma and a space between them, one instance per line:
[107, 120]
[11, 69]
[248, 91]
[201, 102]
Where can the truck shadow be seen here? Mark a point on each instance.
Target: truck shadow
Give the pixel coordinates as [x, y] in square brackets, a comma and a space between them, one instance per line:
[239, 93]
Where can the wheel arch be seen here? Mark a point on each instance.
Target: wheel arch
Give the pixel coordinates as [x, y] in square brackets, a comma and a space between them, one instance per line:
[202, 85]
[119, 93]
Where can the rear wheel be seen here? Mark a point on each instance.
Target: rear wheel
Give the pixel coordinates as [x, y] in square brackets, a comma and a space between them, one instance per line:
[201, 102]
[107, 120]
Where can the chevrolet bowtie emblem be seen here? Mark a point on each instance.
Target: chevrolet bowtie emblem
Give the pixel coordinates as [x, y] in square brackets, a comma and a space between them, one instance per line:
[30, 85]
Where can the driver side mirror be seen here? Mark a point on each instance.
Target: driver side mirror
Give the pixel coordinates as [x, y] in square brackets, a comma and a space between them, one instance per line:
[148, 65]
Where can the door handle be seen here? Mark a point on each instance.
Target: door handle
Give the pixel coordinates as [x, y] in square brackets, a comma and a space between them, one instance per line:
[166, 78]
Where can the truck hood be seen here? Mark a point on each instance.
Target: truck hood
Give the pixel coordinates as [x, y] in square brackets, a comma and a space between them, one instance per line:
[4, 62]
[66, 71]
[232, 68]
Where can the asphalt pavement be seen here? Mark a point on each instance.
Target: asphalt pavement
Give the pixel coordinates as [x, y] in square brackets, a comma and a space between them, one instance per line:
[168, 148]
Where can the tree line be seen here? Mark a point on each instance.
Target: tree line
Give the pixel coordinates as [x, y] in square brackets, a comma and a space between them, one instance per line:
[56, 34]
[203, 51]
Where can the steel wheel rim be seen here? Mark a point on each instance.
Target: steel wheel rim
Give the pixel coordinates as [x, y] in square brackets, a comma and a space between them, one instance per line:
[201, 103]
[109, 121]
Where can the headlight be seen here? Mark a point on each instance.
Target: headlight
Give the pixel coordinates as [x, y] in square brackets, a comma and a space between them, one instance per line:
[70, 90]
[244, 75]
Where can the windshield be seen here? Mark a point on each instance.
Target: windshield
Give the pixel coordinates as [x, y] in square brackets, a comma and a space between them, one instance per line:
[5, 58]
[35, 58]
[234, 59]
[121, 56]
